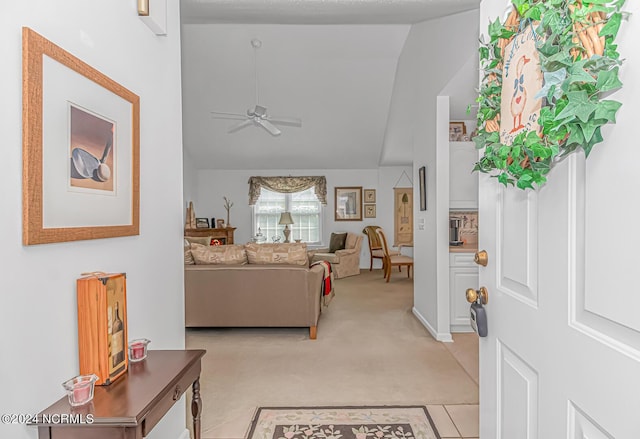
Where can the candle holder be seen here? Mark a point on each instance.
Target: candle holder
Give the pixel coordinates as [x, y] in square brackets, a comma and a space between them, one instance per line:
[138, 349]
[80, 389]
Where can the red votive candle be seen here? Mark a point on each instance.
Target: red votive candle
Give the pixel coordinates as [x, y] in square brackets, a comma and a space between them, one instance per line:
[81, 392]
[138, 350]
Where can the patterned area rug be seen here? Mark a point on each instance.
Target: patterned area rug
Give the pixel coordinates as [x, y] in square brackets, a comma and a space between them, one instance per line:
[387, 422]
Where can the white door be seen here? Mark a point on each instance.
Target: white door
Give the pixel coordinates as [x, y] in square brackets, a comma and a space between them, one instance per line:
[562, 357]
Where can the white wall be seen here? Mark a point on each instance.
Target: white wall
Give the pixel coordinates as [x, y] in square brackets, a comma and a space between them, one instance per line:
[432, 55]
[214, 184]
[38, 295]
[189, 170]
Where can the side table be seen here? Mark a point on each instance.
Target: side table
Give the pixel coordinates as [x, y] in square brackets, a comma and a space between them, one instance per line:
[132, 405]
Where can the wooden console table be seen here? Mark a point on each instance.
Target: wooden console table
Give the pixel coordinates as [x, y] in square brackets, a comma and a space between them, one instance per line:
[224, 233]
[132, 405]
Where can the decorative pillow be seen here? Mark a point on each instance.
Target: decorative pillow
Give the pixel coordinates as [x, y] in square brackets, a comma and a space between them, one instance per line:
[188, 257]
[203, 240]
[219, 254]
[337, 242]
[286, 254]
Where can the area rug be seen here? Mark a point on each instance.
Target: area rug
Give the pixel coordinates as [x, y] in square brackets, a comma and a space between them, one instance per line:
[383, 422]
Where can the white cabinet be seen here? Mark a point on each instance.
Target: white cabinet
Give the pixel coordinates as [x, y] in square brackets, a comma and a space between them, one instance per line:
[463, 274]
[463, 183]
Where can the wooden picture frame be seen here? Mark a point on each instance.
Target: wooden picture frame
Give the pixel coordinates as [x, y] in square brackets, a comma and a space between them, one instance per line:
[457, 130]
[369, 210]
[422, 179]
[220, 224]
[81, 141]
[369, 196]
[403, 216]
[202, 223]
[348, 203]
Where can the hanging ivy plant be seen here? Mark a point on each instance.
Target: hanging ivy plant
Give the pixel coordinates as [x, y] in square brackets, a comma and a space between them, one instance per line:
[579, 63]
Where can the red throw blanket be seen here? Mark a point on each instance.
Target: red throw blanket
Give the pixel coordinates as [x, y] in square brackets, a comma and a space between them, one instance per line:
[327, 281]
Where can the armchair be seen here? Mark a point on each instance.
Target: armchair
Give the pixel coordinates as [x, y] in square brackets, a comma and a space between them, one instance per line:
[344, 262]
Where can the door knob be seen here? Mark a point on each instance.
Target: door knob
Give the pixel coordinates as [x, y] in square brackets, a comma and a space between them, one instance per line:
[473, 295]
[481, 258]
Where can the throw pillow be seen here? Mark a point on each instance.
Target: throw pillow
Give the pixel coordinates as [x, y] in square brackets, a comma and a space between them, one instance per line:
[337, 242]
[219, 254]
[286, 254]
[188, 257]
[203, 240]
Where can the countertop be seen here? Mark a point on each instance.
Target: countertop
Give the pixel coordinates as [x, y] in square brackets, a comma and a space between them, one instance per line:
[464, 248]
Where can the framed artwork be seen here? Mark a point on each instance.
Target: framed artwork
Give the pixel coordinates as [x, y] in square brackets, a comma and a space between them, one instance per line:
[457, 130]
[422, 177]
[403, 216]
[80, 152]
[202, 223]
[220, 223]
[348, 203]
[369, 195]
[369, 210]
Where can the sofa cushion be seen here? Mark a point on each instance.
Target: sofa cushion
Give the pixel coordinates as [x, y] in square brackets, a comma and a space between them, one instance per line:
[288, 254]
[188, 257]
[202, 240]
[337, 242]
[219, 254]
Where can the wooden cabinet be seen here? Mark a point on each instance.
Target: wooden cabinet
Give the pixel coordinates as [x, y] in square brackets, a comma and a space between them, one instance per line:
[463, 183]
[223, 235]
[463, 274]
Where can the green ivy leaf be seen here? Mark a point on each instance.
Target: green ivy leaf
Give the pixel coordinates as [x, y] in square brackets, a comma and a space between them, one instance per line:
[607, 110]
[579, 105]
[552, 79]
[504, 178]
[577, 73]
[608, 80]
[588, 129]
[612, 26]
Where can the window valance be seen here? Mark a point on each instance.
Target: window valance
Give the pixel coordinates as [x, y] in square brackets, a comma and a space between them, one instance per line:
[287, 185]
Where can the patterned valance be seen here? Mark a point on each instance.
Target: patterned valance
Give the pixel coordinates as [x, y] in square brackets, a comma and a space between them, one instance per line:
[287, 185]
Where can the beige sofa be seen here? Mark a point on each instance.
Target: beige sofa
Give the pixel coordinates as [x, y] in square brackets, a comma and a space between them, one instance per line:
[344, 262]
[253, 293]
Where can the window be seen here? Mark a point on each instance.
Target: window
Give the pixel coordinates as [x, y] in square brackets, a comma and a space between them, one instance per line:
[305, 209]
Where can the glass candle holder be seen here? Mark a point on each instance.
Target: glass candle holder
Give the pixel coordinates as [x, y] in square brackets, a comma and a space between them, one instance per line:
[138, 349]
[80, 389]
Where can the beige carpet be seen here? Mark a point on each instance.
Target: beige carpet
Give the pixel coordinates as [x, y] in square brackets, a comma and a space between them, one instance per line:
[370, 350]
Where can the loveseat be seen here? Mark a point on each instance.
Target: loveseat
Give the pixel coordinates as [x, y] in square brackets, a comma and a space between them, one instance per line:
[345, 260]
[252, 285]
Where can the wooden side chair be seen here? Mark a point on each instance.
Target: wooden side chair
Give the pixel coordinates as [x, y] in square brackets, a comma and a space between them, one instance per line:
[375, 246]
[396, 260]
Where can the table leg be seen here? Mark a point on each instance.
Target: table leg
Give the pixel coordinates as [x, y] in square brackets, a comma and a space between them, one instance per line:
[196, 408]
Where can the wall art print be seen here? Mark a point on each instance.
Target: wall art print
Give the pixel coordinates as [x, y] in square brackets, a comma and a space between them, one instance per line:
[80, 149]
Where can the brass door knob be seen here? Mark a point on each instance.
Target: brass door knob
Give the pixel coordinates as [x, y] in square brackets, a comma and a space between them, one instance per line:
[481, 258]
[482, 293]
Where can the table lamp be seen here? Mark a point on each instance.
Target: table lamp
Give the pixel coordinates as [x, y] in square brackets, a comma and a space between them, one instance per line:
[285, 219]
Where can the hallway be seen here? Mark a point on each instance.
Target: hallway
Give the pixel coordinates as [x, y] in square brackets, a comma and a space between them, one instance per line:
[370, 350]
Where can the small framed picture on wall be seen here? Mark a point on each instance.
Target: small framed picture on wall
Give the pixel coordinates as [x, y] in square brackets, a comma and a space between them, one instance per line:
[369, 195]
[369, 210]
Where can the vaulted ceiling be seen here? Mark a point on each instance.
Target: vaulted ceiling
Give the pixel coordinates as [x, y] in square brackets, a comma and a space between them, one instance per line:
[330, 63]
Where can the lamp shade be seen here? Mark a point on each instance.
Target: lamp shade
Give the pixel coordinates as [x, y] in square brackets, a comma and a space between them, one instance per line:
[285, 218]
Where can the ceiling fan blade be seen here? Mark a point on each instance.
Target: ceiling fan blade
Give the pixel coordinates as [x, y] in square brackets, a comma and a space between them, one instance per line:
[239, 126]
[225, 115]
[289, 121]
[268, 126]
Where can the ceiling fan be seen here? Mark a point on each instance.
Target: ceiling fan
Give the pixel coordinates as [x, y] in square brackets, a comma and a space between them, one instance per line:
[257, 115]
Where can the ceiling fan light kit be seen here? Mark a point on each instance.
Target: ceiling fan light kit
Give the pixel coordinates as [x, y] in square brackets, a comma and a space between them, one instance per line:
[258, 115]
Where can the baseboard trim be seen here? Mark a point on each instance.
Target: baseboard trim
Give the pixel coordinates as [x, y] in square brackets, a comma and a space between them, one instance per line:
[443, 337]
[185, 434]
